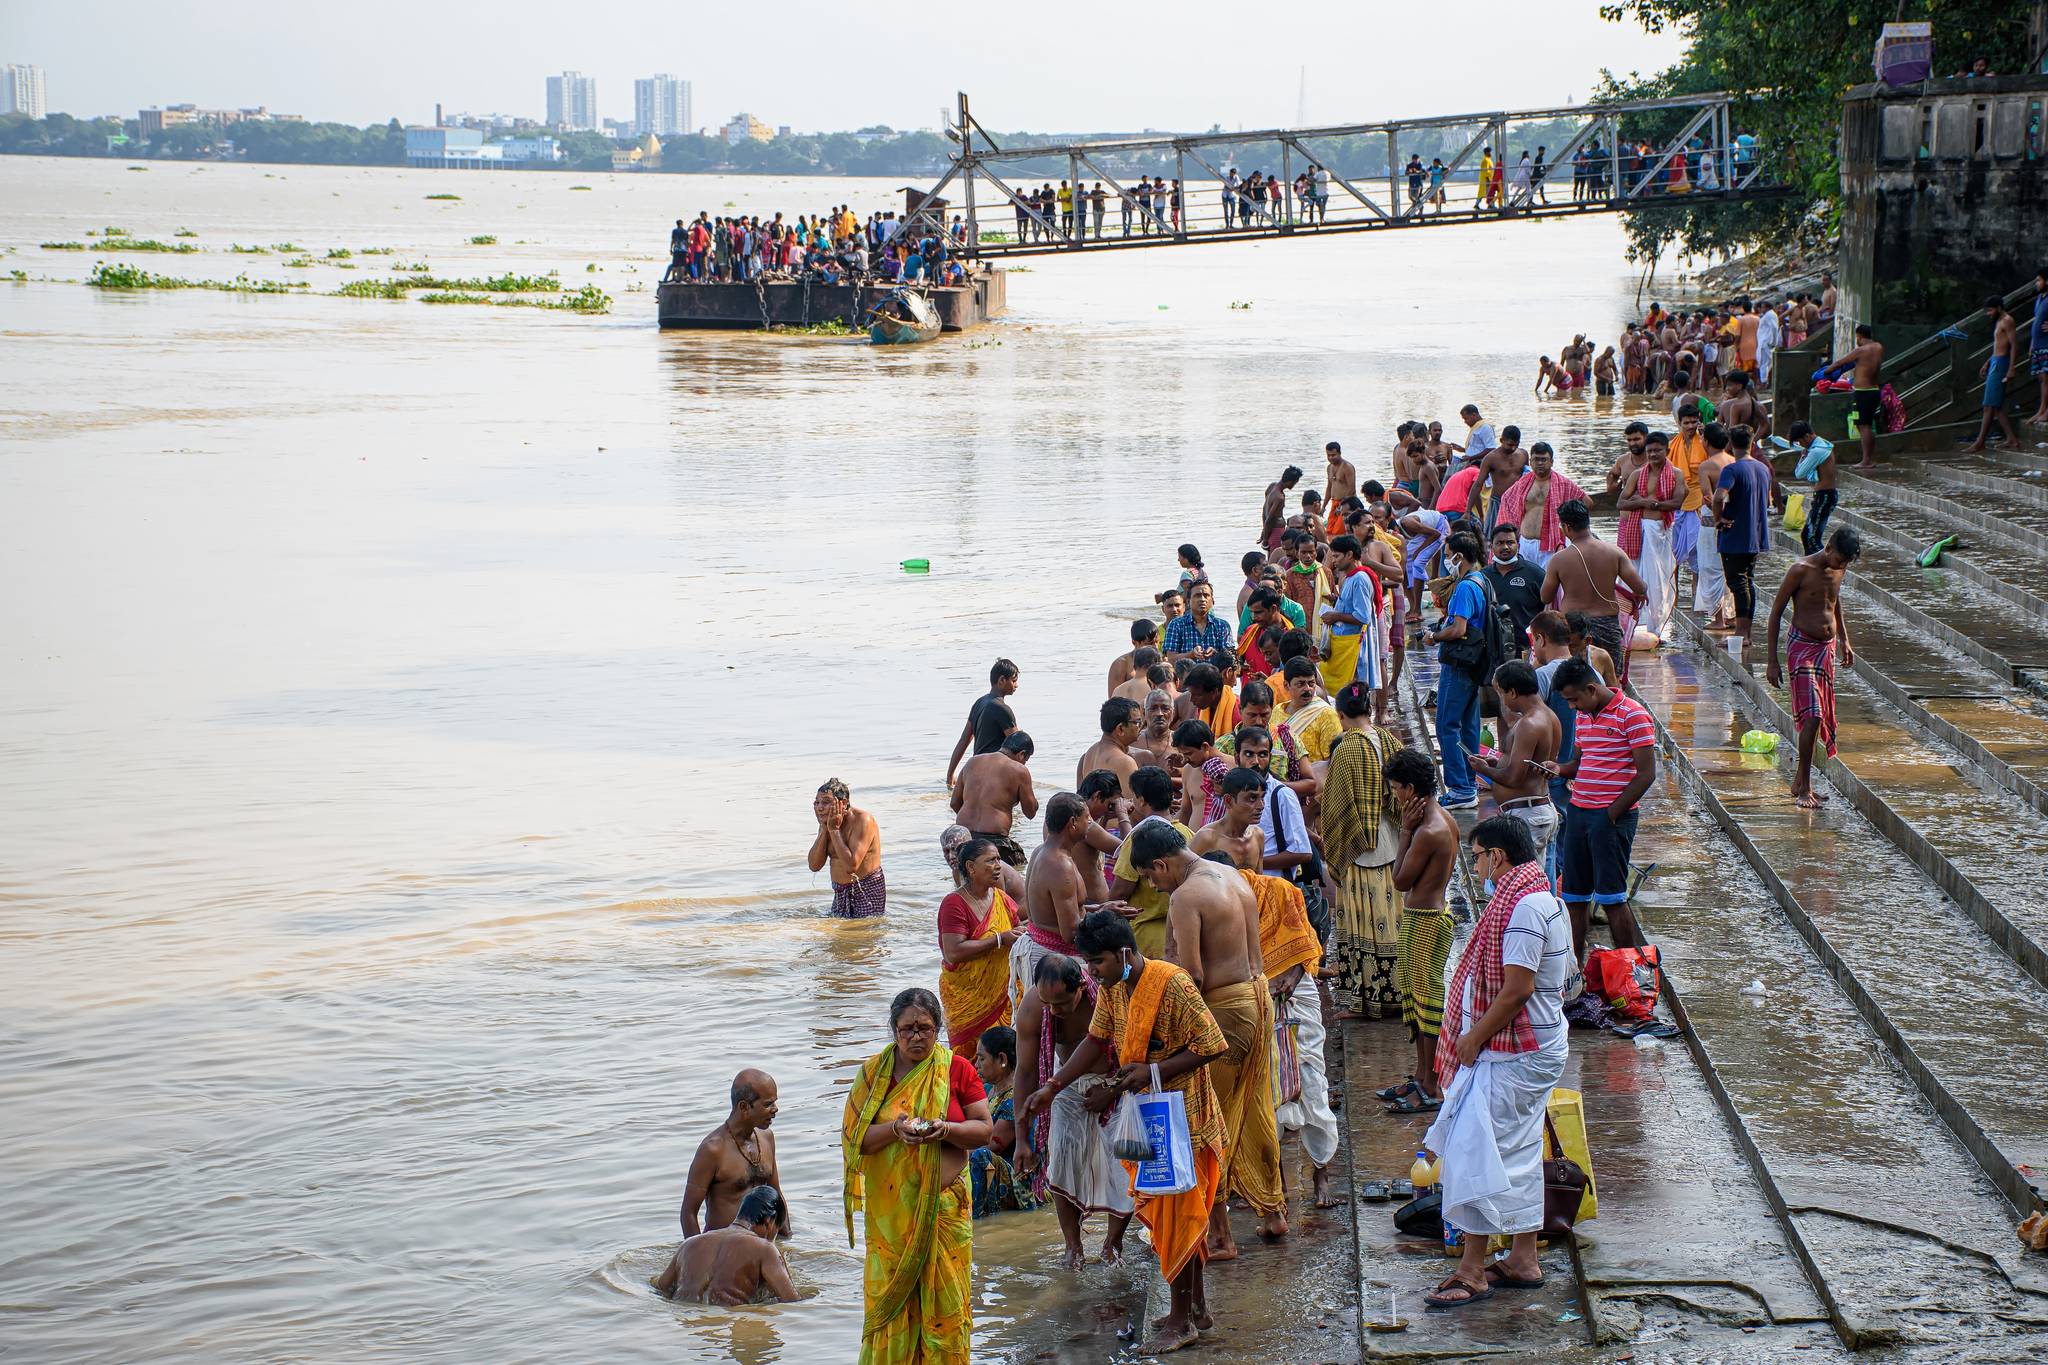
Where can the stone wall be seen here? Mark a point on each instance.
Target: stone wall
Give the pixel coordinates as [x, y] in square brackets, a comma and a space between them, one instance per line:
[1944, 198]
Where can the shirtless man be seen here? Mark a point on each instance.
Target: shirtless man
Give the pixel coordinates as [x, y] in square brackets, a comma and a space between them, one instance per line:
[1865, 359]
[1079, 1167]
[1109, 824]
[1144, 634]
[1145, 663]
[1604, 374]
[1636, 362]
[1237, 834]
[736, 1264]
[1121, 720]
[1631, 460]
[1340, 476]
[1422, 869]
[1554, 374]
[849, 839]
[1404, 472]
[1708, 474]
[1586, 571]
[991, 788]
[1581, 646]
[1500, 468]
[1521, 772]
[1813, 589]
[1154, 744]
[1996, 371]
[1739, 408]
[737, 1156]
[1275, 510]
[1213, 933]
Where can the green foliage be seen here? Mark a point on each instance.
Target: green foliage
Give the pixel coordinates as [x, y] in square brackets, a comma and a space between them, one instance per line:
[300, 263]
[238, 249]
[483, 239]
[455, 298]
[444, 196]
[63, 246]
[588, 299]
[286, 246]
[115, 231]
[121, 241]
[106, 276]
[184, 232]
[375, 289]
[18, 276]
[374, 250]
[57, 135]
[337, 253]
[507, 283]
[1800, 57]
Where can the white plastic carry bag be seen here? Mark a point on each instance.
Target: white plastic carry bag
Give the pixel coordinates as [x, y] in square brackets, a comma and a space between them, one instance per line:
[1172, 1167]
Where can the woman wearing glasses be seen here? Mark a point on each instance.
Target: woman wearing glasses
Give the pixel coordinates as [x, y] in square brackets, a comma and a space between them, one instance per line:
[915, 1112]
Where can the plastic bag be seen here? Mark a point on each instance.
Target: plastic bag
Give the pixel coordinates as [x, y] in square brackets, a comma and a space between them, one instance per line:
[1127, 1139]
[1759, 742]
[1795, 512]
[1172, 1167]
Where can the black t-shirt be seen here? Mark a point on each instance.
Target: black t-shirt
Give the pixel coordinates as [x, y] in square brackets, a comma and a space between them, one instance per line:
[990, 720]
[1519, 586]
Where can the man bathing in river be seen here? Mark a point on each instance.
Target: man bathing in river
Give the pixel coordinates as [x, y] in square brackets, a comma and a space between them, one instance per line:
[850, 840]
[737, 1156]
[1813, 589]
[736, 1264]
[1591, 575]
[992, 788]
[1055, 889]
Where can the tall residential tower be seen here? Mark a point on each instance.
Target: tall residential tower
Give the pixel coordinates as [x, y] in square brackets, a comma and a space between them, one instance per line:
[21, 91]
[661, 106]
[572, 102]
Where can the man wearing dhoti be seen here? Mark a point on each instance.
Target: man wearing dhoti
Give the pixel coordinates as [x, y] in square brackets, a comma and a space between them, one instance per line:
[1502, 1048]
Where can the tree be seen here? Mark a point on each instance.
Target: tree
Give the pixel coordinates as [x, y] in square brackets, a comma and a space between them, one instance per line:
[1795, 59]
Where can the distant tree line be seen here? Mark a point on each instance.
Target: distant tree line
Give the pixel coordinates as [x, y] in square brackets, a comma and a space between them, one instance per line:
[871, 152]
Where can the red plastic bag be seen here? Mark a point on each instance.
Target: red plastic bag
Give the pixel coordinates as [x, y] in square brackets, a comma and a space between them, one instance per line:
[1627, 979]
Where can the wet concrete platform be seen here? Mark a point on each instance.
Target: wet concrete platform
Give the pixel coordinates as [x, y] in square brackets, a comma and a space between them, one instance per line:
[1925, 977]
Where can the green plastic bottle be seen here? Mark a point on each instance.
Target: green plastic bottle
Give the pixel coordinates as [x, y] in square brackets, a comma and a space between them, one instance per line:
[917, 566]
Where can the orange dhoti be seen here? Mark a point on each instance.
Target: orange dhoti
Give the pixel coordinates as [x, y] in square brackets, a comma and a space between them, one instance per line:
[1243, 1078]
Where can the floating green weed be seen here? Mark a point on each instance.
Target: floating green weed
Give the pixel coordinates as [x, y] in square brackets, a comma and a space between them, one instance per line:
[483, 239]
[444, 196]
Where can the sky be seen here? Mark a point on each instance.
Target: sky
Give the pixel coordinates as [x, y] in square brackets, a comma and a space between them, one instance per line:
[1183, 66]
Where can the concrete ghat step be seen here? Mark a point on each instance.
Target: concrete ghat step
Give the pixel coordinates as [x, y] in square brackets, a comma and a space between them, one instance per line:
[1962, 1022]
[1873, 1150]
[1963, 505]
[1958, 613]
[2000, 729]
[1996, 477]
[1994, 562]
[1981, 845]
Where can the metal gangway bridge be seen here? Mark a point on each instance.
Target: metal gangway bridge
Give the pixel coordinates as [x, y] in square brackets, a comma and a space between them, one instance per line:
[1694, 155]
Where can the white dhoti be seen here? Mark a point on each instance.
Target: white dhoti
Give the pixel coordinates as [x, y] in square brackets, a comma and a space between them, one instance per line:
[1490, 1136]
[1658, 566]
[1710, 583]
[1310, 1115]
[1079, 1165]
[1533, 551]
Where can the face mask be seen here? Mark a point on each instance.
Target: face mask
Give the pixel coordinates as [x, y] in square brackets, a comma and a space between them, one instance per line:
[1125, 978]
[1500, 558]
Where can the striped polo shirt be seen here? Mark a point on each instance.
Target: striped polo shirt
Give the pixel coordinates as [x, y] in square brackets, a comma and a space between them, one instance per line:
[1606, 744]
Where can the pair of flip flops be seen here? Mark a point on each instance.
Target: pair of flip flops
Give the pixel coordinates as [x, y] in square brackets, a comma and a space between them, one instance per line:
[1496, 1279]
[1384, 1191]
[1408, 1098]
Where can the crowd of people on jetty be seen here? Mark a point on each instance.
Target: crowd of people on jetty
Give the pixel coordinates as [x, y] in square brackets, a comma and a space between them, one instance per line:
[1257, 846]
[825, 248]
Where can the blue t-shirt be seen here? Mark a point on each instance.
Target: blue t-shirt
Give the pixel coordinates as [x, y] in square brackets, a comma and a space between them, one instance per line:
[1353, 599]
[1468, 601]
[2041, 324]
[1568, 728]
[1748, 507]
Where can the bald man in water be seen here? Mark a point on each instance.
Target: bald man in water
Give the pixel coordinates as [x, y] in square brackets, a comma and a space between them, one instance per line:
[736, 1156]
[736, 1264]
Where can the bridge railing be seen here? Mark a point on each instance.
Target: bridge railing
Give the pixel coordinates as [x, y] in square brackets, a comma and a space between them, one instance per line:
[1176, 188]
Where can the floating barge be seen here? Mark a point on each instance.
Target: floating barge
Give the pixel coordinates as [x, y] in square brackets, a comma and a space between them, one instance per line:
[784, 303]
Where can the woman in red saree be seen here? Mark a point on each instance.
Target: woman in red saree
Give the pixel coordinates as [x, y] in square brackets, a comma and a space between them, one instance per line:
[977, 925]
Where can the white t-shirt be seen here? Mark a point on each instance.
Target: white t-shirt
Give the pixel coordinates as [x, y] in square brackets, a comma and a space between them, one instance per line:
[1538, 938]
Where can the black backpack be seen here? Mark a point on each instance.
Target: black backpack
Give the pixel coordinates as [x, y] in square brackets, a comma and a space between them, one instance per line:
[1479, 652]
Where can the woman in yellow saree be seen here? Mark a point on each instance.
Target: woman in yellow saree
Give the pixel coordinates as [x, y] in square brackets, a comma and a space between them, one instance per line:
[977, 925]
[915, 1112]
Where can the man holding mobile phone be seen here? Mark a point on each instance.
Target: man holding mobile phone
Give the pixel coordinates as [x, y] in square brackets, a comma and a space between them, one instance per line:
[1521, 771]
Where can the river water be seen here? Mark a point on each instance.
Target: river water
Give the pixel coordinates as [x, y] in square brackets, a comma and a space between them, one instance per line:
[411, 716]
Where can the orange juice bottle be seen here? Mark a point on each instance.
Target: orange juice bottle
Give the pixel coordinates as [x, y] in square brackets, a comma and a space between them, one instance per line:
[1423, 1174]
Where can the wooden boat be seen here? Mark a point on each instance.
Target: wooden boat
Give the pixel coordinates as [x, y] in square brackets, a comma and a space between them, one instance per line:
[904, 316]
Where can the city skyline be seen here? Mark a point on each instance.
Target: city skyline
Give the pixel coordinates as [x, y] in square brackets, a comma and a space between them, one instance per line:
[1123, 71]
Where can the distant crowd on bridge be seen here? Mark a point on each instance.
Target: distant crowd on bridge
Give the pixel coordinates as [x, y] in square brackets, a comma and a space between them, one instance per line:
[1249, 201]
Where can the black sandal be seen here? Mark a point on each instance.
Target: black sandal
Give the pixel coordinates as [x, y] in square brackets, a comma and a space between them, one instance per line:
[1376, 1192]
[1397, 1090]
[1417, 1103]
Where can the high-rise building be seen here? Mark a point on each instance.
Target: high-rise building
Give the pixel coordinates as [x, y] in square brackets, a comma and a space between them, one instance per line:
[661, 105]
[21, 91]
[572, 102]
[744, 126]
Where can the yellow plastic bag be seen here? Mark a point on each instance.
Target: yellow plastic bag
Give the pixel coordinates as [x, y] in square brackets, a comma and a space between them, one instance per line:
[1795, 512]
[1568, 1113]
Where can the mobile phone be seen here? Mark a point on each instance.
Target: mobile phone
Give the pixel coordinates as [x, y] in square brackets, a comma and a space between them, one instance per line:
[1543, 766]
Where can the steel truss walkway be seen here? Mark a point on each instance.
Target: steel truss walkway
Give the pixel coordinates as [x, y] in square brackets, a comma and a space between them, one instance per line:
[1701, 162]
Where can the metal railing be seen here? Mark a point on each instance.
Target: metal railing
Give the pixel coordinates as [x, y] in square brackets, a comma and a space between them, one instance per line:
[1627, 166]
